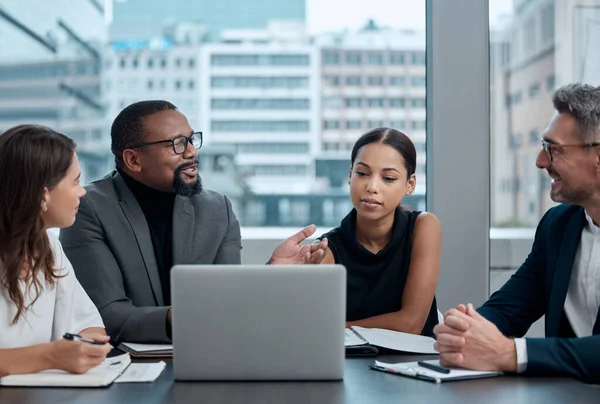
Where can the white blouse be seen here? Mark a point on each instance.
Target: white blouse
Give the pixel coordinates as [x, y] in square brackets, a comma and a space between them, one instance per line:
[60, 308]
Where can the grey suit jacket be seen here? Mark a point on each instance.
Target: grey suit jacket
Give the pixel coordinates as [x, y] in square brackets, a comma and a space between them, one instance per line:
[112, 254]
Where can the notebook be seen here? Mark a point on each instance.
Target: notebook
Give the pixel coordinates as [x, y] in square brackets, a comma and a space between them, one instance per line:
[147, 350]
[395, 340]
[100, 376]
[414, 370]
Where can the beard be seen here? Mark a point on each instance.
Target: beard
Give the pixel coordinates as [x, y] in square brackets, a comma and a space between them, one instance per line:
[183, 188]
[573, 196]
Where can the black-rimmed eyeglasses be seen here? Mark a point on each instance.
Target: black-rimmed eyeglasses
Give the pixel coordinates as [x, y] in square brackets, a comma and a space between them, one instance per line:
[179, 143]
[550, 148]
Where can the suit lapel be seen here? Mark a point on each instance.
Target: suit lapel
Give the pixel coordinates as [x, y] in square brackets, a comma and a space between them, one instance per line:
[183, 230]
[138, 223]
[562, 273]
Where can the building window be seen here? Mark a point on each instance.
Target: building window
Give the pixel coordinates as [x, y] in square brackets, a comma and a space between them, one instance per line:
[398, 124]
[259, 82]
[534, 136]
[332, 102]
[134, 63]
[162, 85]
[375, 80]
[529, 39]
[191, 63]
[333, 81]
[331, 124]
[331, 58]
[150, 63]
[397, 81]
[260, 60]
[397, 102]
[418, 58]
[418, 125]
[375, 102]
[177, 84]
[550, 83]
[353, 80]
[418, 81]
[273, 148]
[375, 124]
[260, 126]
[178, 62]
[534, 90]
[353, 102]
[353, 124]
[150, 84]
[260, 103]
[548, 23]
[353, 58]
[191, 84]
[375, 58]
[163, 63]
[122, 63]
[397, 58]
[417, 103]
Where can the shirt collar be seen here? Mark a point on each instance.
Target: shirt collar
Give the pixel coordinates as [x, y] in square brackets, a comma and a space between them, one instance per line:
[591, 225]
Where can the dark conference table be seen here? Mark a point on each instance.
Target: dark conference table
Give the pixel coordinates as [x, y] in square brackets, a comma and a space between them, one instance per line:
[360, 385]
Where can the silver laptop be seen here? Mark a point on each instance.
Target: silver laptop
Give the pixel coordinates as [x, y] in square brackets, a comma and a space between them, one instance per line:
[258, 322]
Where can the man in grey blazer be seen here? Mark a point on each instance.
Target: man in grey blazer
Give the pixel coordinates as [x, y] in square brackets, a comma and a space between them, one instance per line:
[152, 213]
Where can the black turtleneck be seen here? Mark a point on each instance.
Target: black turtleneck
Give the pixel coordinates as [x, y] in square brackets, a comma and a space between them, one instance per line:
[158, 210]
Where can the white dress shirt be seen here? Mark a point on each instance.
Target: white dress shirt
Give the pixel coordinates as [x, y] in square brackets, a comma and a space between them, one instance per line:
[60, 308]
[583, 295]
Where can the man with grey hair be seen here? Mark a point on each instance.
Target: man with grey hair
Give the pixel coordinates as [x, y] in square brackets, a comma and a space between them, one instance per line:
[561, 276]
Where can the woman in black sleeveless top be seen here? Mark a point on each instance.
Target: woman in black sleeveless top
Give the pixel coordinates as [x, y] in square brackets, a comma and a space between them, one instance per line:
[392, 256]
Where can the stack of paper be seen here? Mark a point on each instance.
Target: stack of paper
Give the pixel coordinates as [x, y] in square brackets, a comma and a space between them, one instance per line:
[417, 371]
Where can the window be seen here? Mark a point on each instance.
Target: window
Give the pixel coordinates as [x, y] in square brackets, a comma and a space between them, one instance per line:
[375, 58]
[534, 137]
[418, 81]
[375, 102]
[331, 58]
[331, 124]
[259, 82]
[353, 80]
[375, 124]
[353, 124]
[260, 103]
[333, 81]
[260, 60]
[375, 80]
[397, 124]
[397, 102]
[259, 126]
[272, 95]
[353, 102]
[418, 125]
[417, 103]
[397, 58]
[534, 90]
[397, 81]
[550, 83]
[548, 23]
[353, 58]
[418, 58]
[332, 102]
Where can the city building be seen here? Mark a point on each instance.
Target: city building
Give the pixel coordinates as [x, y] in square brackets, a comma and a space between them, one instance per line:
[50, 71]
[544, 45]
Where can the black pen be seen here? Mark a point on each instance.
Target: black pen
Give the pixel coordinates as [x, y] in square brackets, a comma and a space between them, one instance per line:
[73, 337]
[435, 368]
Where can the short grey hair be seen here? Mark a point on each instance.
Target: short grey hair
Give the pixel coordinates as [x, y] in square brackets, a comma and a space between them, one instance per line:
[582, 101]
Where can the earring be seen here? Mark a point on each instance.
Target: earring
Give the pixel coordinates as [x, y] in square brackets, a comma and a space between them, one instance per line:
[45, 208]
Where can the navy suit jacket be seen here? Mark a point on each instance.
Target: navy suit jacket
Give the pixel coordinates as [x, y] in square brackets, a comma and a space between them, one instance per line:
[539, 287]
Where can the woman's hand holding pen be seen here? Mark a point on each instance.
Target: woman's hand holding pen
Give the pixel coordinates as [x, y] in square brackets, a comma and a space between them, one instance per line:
[75, 356]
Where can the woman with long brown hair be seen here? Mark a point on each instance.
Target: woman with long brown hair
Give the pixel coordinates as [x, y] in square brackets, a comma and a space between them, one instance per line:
[40, 297]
